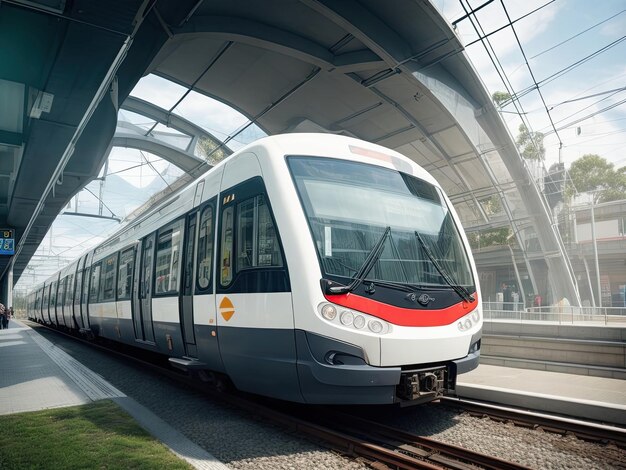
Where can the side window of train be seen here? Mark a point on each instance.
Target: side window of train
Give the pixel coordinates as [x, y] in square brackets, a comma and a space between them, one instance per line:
[250, 242]
[94, 283]
[107, 285]
[205, 249]
[125, 274]
[53, 296]
[226, 258]
[69, 290]
[257, 243]
[79, 286]
[169, 246]
[46, 297]
[61, 296]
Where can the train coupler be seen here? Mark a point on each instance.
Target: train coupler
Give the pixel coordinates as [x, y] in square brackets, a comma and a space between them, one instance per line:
[420, 386]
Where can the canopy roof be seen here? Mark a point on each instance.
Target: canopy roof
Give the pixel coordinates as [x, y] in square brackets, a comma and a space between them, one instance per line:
[393, 73]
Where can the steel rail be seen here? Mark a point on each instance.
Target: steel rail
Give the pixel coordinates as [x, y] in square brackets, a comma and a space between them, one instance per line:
[440, 453]
[585, 430]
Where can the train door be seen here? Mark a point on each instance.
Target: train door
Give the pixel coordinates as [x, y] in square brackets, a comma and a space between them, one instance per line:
[78, 307]
[142, 290]
[61, 302]
[186, 293]
[84, 295]
[53, 302]
[45, 312]
[253, 294]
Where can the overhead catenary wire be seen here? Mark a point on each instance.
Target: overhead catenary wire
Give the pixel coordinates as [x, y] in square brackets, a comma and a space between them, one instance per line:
[103, 203]
[577, 35]
[500, 71]
[531, 71]
[562, 72]
[588, 116]
[485, 36]
[587, 107]
[573, 100]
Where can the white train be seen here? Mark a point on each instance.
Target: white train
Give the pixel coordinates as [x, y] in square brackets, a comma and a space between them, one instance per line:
[307, 267]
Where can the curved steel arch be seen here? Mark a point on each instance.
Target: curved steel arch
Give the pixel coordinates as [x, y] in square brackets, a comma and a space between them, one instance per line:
[170, 119]
[187, 162]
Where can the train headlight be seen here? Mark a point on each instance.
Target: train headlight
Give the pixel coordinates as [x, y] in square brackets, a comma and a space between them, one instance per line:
[375, 326]
[469, 320]
[346, 318]
[355, 320]
[329, 312]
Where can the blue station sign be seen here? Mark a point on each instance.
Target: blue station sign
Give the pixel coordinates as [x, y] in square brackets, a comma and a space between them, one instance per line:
[7, 242]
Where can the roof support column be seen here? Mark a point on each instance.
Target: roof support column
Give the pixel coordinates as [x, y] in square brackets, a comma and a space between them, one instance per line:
[561, 272]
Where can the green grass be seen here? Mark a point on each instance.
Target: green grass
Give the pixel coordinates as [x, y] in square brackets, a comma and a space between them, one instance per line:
[99, 435]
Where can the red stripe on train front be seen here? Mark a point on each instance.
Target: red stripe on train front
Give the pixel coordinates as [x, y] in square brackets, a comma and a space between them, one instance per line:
[405, 316]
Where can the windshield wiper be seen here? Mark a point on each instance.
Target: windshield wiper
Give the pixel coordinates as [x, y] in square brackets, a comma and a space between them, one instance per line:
[365, 268]
[407, 287]
[462, 291]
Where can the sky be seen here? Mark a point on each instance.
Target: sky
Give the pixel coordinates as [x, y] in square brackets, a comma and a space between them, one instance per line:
[547, 40]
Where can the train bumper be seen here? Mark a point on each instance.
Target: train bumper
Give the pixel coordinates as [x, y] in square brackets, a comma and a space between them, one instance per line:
[469, 362]
[332, 371]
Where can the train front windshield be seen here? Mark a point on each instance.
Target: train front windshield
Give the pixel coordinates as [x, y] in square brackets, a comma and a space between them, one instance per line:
[350, 206]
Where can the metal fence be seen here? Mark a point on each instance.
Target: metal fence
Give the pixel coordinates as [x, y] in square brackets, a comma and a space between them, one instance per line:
[556, 313]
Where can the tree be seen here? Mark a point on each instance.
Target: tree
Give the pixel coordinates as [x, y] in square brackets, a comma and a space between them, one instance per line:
[492, 237]
[530, 144]
[500, 97]
[592, 173]
[207, 149]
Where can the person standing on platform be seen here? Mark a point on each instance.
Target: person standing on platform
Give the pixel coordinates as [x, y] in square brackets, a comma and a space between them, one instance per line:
[507, 297]
[3, 316]
[9, 315]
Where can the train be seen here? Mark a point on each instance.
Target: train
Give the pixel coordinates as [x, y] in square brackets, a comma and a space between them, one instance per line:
[312, 268]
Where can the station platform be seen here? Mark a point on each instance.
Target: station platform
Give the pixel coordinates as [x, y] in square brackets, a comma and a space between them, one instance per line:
[578, 396]
[37, 375]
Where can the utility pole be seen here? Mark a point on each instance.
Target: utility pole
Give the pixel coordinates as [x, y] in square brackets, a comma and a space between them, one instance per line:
[595, 247]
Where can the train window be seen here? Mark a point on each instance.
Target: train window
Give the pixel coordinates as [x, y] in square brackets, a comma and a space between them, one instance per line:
[46, 297]
[61, 295]
[245, 234]
[94, 283]
[168, 258]
[107, 285]
[226, 262]
[69, 290]
[53, 295]
[205, 249]
[125, 274]
[79, 286]
[257, 243]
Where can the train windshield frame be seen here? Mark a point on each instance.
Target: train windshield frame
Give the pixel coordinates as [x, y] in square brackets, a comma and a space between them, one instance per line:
[349, 205]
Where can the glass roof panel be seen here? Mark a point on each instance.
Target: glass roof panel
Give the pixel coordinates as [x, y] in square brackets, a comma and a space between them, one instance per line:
[219, 119]
[158, 91]
[171, 137]
[135, 119]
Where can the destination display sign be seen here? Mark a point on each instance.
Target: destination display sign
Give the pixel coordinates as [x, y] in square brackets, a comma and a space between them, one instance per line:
[7, 242]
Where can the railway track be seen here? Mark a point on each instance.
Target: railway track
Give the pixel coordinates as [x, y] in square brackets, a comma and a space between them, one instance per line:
[585, 430]
[386, 446]
[372, 443]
